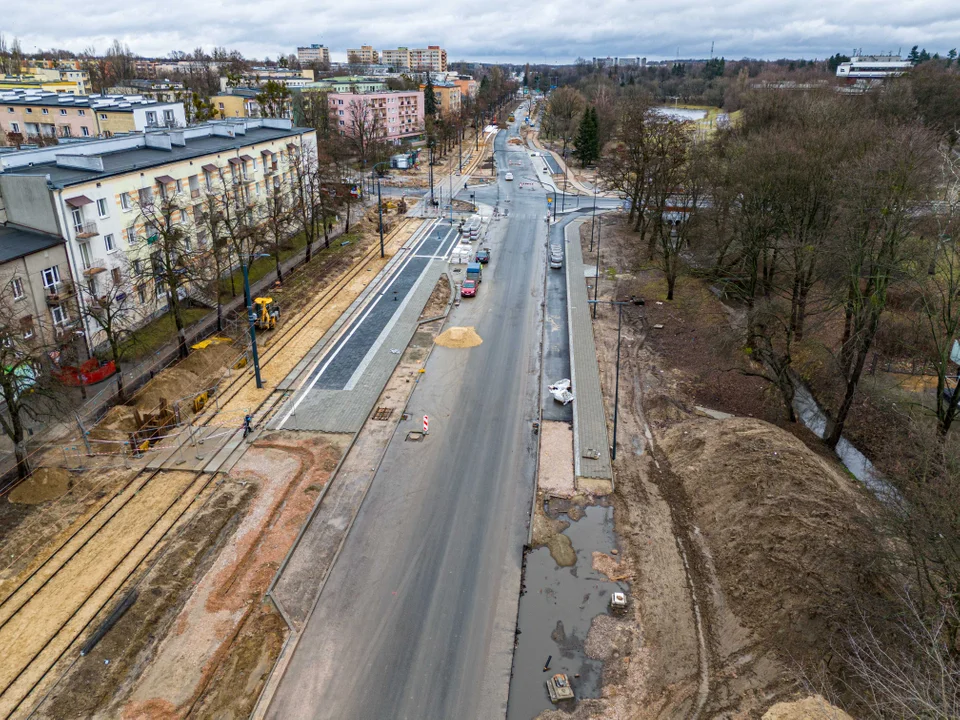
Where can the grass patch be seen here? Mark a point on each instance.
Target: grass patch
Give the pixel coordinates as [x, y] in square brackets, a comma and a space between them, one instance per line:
[266, 265]
[157, 333]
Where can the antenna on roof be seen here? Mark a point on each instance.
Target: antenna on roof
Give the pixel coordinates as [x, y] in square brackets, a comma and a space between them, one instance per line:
[711, 49]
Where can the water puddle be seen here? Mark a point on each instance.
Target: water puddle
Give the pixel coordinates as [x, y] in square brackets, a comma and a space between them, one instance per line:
[855, 461]
[556, 610]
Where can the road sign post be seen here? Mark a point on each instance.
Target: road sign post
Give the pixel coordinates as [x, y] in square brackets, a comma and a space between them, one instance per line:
[426, 424]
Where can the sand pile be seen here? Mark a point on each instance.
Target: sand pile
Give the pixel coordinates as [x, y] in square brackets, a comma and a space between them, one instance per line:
[459, 337]
[116, 425]
[210, 363]
[171, 385]
[43, 485]
[810, 708]
[784, 527]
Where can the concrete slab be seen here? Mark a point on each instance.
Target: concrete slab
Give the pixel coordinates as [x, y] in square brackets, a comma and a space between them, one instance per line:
[590, 442]
[555, 471]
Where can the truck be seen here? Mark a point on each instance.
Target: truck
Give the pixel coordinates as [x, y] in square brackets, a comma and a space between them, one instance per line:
[475, 272]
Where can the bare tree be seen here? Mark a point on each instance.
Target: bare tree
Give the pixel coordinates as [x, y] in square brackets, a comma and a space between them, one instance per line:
[312, 173]
[365, 128]
[26, 389]
[277, 219]
[884, 189]
[562, 116]
[172, 261]
[111, 306]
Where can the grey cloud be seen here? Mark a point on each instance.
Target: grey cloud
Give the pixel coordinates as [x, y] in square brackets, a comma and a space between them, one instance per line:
[556, 31]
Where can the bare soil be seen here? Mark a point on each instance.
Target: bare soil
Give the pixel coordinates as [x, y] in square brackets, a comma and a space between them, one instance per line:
[45, 484]
[743, 543]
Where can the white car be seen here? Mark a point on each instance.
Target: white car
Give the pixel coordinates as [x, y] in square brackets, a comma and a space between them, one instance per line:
[508, 176]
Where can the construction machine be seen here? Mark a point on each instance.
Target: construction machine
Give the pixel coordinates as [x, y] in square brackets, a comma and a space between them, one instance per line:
[268, 313]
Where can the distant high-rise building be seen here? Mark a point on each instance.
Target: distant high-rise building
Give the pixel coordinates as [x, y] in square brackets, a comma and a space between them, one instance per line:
[364, 55]
[313, 54]
[432, 58]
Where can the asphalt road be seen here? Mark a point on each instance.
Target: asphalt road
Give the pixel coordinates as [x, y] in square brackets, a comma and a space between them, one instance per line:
[418, 615]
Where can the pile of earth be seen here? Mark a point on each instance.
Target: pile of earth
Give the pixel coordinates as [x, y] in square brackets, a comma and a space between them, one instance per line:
[459, 337]
[44, 484]
[199, 371]
[786, 529]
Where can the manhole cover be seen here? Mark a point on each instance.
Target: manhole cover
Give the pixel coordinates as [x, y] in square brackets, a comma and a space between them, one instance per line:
[414, 436]
[383, 413]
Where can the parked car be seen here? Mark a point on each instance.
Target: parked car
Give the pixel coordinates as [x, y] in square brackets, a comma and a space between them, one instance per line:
[508, 176]
[546, 170]
[556, 258]
[483, 256]
[468, 289]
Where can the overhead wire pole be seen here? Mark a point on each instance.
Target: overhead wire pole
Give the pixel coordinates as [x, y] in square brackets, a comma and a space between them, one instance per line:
[379, 202]
[596, 280]
[593, 223]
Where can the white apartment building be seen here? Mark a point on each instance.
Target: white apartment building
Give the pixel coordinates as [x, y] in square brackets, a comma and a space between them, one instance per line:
[432, 58]
[313, 53]
[91, 195]
[873, 67]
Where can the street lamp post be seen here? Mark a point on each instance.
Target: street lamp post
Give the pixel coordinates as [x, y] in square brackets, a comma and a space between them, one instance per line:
[616, 383]
[431, 174]
[593, 222]
[251, 315]
[379, 203]
[596, 280]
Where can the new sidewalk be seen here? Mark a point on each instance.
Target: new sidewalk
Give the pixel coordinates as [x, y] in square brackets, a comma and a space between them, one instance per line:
[591, 448]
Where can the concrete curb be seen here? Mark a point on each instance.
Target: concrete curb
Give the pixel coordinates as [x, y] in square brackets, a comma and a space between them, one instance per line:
[573, 370]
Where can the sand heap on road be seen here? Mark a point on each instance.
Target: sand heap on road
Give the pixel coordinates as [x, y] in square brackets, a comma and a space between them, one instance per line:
[784, 527]
[459, 337]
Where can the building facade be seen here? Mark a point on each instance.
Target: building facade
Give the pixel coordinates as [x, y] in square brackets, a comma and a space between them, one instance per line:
[364, 55]
[398, 114]
[96, 197]
[313, 53]
[38, 292]
[34, 114]
[432, 58]
[873, 67]
[448, 98]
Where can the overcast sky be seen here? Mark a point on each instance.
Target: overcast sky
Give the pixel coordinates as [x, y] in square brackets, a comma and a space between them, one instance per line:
[553, 31]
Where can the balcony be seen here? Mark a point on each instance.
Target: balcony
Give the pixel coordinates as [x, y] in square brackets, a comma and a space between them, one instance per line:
[95, 268]
[86, 230]
[59, 293]
[194, 192]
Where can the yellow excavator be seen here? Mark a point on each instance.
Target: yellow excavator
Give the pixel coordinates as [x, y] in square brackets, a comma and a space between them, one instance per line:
[268, 313]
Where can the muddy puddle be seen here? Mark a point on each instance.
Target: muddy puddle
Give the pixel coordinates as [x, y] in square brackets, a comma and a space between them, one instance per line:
[556, 610]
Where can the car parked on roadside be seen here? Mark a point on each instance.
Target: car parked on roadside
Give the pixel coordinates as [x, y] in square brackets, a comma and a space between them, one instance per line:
[468, 289]
[483, 256]
[508, 176]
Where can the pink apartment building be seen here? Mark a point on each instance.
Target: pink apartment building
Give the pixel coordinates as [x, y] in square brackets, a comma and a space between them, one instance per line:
[398, 112]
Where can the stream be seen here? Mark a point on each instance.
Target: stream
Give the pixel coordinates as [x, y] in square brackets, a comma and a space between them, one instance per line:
[856, 462]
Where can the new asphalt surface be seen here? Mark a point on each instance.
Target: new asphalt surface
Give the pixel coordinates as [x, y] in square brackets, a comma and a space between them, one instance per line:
[417, 617]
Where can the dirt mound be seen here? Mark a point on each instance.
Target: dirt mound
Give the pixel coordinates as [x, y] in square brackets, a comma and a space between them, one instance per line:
[459, 337]
[210, 363]
[116, 425]
[43, 485]
[810, 708]
[171, 385]
[784, 527]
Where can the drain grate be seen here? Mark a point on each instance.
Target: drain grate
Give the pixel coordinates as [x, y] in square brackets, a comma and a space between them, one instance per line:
[382, 413]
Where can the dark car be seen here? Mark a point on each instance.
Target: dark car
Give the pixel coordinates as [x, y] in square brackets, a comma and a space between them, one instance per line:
[468, 289]
[483, 256]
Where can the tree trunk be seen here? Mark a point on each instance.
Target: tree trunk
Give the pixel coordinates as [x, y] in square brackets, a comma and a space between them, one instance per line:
[853, 379]
[347, 227]
[178, 321]
[276, 256]
[19, 446]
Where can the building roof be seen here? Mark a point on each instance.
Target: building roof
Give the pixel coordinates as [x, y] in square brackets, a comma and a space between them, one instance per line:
[16, 242]
[129, 159]
[100, 103]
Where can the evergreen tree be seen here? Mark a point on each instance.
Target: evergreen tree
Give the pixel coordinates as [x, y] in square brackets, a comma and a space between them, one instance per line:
[429, 99]
[587, 140]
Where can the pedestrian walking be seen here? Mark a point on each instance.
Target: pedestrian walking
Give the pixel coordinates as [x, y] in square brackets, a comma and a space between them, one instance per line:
[247, 425]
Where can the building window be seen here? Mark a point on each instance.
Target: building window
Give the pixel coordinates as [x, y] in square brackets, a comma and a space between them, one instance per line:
[17, 285]
[125, 201]
[81, 112]
[59, 315]
[9, 109]
[45, 111]
[141, 294]
[146, 196]
[29, 111]
[151, 117]
[51, 276]
[85, 131]
[77, 216]
[109, 244]
[179, 186]
[103, 116]
[168, 117]
[102, 210]
[183, 216]
[136, 267]
[62, 111]
[160, 289]
[221, 105]
[85, 255]
[15, 127]
[131, 235]
[65, 131]
[115, 276]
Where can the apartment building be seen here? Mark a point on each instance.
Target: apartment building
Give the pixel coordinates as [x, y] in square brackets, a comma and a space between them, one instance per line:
[348, 84]
[37, 114]
[38, 295]
[399, 113]
[313, 53]
[242, 102]
[431, 58]
[448, 98]
[93, 196]
[468, 86]
[364, 55]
